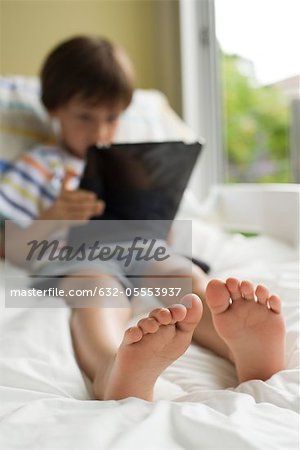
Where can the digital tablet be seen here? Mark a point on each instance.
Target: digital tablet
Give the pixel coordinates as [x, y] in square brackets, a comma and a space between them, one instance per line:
[138, 181]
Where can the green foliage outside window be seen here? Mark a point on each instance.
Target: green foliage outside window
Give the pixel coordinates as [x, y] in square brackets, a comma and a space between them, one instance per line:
[256, 121]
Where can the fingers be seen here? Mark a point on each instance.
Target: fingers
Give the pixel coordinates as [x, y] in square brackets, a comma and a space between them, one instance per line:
[66, 181]
[85, 211]
[78, 204]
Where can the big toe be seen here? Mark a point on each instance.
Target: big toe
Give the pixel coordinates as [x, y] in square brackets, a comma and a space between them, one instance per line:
[217, 297]
[194, 313]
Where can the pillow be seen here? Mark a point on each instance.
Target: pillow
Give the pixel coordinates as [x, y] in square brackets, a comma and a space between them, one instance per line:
[25, 123]
[23, 120]
[149, 118]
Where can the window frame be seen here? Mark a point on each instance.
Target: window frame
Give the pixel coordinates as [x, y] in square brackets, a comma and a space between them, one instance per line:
[201, 90]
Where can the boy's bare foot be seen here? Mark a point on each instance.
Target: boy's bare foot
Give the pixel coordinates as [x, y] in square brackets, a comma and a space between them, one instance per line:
[150, 347]
[251, 324]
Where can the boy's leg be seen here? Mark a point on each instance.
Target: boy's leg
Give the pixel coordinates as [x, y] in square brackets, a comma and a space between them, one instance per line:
[150, 347]
[205, 333]
[132, 368]
[97, 331]
[251, 323]
[240, 323]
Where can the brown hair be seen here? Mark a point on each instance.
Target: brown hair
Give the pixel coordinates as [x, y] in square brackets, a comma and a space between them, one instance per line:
[92, 68]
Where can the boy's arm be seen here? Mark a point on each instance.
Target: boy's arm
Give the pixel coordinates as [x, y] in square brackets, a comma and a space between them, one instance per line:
[69, 207]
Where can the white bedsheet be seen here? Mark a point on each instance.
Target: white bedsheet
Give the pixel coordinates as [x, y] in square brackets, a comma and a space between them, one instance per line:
[45, 401]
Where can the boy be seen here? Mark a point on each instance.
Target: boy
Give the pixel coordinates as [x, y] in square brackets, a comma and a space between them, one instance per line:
[86, 84]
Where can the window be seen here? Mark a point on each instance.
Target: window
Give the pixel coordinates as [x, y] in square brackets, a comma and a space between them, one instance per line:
[259, 82]
[240, 75]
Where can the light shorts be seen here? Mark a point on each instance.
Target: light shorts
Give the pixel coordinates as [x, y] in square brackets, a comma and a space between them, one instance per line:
[50, 274]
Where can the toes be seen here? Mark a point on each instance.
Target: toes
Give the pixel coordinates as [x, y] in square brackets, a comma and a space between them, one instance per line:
[132, 335]
[233, 286]
[262, 294]
[178, 312]
[247, 290]
[162, 315]
[193, 313]
[148, 325]
[274, 303]
[168, 316]
[217, 296]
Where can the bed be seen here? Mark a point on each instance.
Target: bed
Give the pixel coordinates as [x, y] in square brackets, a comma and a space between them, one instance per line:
[46, 401]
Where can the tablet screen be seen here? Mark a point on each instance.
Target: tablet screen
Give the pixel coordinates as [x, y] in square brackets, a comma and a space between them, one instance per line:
[140, 181]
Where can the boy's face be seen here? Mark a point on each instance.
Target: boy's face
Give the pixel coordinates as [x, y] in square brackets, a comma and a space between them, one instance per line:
[83, 125]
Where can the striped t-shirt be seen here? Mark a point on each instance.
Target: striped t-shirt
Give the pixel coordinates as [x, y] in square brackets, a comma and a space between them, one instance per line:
[33, 182]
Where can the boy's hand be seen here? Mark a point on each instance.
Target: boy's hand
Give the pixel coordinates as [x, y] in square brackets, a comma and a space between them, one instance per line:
[74, 205]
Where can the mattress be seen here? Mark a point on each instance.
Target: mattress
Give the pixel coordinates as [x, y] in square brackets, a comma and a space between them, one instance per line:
[46, 401]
